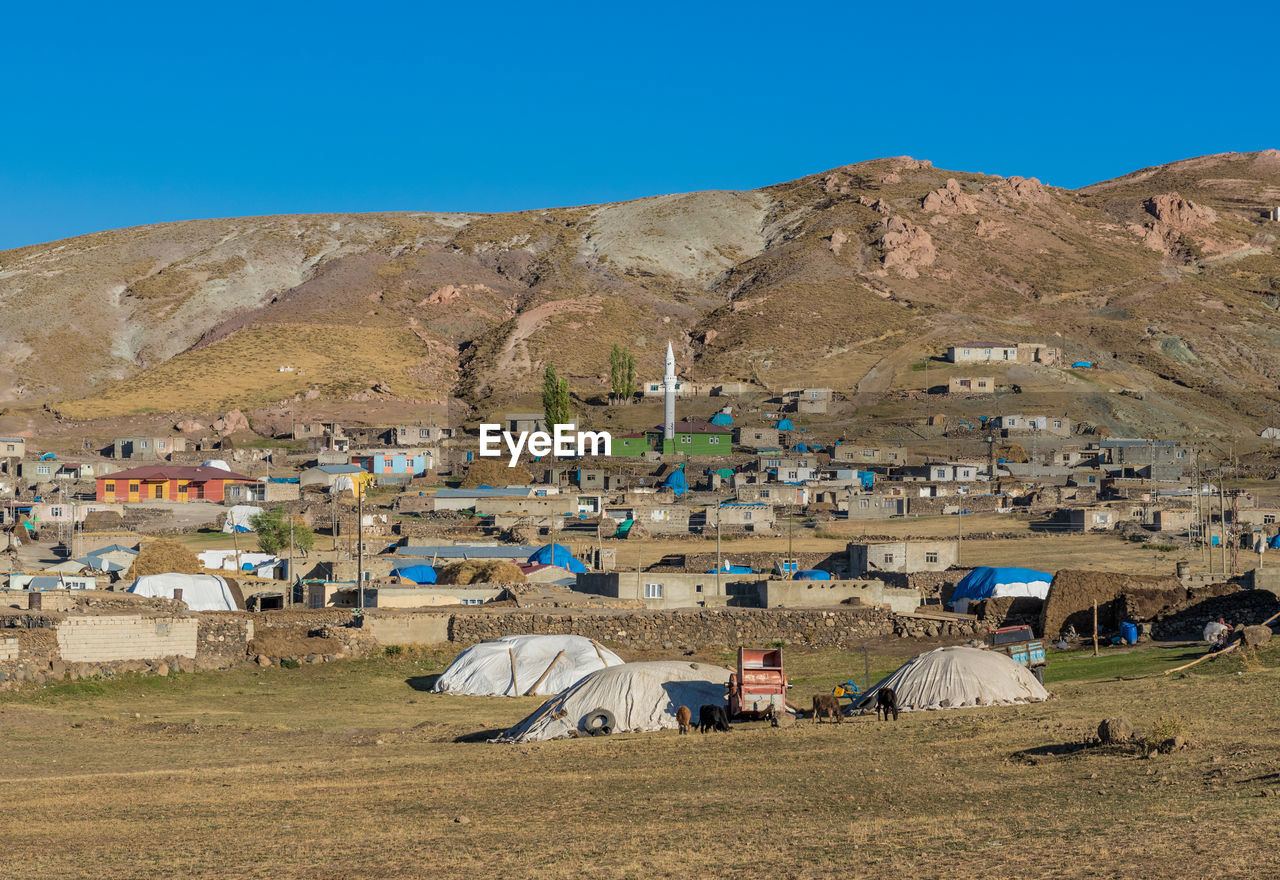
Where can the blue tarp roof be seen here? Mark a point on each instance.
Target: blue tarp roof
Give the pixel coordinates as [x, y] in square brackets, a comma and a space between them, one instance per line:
[813, 574]
[982, 581]
[676, 480]
[722, 419]
[419, 574]
[785, 425]
[733, 569]
[556, 554]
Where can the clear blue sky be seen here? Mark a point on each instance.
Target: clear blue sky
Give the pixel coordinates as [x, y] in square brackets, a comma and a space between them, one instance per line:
[130, 113]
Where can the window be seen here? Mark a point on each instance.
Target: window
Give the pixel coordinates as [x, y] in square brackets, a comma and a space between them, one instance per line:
[864, 503]
[109, 486]
[144, 444]
[813, 395]
[653, 591]
[698, 588]
[1057, 423]
[713, 439]
[888, 559]
[931, 557]
[158, 490]
[424, 433]
[660, 515]
[133, 487]
[42, 469]
[746, 516]
[965, 351]
[55, 512]
[159, 444]
[686, 438]
[893, 456]
[10, 448]
[791, 475]
[1268, 518]
[764, 493]
[982, 383]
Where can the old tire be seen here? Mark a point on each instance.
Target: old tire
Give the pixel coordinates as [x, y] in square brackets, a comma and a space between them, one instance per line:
[599, 722]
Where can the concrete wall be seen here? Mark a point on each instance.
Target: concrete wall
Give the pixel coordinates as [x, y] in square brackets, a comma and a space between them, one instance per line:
[9, 648]
[125, 637]
[415, 629]
[816, 594]
[678, 589]
[904, 556]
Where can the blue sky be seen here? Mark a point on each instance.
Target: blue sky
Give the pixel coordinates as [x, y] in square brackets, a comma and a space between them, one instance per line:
[131, 113]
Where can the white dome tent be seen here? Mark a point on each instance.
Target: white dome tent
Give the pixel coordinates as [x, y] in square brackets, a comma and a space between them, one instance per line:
[630, 697]
[958, 677]
[201, 592]
[516, 666]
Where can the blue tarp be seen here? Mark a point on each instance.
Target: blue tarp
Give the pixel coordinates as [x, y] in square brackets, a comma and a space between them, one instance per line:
[813, 574]
[419, 574]
[677, 482]
[867, 478]
[1274, 543]
[986, 581]
[556, 554]
[1085, 364]
[785, 425]
[800, 447]
[733, 569]
[724, 420]
[48, 456]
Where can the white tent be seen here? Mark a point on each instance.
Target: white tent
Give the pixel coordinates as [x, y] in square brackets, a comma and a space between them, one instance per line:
[635, 696]
[216, 463]
[543, 665]
[201, 592]
[954, 677]
[238, 517]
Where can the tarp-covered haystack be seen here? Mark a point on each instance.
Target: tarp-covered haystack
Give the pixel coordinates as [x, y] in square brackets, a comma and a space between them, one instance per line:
[418, 574]
[515, 666]
[559, 555]
[986, 582]
[633, 696]
[956, 677]
[201, 592]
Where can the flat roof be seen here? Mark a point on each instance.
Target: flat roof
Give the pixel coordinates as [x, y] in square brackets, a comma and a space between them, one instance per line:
[470, 551]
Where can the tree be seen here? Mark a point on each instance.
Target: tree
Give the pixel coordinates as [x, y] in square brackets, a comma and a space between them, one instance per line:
[622, 373]
[273, 528]
[555, 399]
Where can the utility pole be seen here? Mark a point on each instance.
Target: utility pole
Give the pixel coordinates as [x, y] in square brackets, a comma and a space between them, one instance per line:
[360, 543]
[959, 531]
[719, 564]
[289, 590]
[1222, 529]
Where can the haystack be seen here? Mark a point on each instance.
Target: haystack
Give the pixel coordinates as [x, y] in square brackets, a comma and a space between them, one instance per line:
[494, 472]
[480, 571]
[955, 677]
[1073, 592]
[515, 666]
[200, 592]
[633, 696]
[165, 555]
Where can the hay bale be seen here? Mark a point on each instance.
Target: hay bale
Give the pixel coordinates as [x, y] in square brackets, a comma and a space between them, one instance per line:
[1073, 592]
[1115, 731]
[103, 521]
[480, 571]
[494, 472]
[165, 555]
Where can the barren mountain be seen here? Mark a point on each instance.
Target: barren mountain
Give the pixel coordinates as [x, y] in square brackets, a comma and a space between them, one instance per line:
[1168, 279]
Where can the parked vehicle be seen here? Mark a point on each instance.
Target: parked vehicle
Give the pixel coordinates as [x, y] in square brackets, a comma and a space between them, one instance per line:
[1021, 644]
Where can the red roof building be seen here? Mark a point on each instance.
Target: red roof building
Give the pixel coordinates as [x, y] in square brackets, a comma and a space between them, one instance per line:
[168, 483]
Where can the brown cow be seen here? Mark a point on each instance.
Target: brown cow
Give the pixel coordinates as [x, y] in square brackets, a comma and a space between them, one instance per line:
[828, 706]
[683, 717]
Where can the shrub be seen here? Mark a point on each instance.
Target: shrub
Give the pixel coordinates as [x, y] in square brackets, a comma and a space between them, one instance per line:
[394, 650]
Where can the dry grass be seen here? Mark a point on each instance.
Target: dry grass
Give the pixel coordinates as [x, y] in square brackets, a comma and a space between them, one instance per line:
[350, 770]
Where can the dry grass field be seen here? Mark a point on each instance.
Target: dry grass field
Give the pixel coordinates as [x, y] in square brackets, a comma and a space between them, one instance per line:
[353, 770]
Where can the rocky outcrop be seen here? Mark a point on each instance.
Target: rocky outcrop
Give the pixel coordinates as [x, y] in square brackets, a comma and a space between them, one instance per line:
[1172, 218]
[1013, 191]
[234, 422]
[949, 199]
[838, 240]
[907, 247]
[189, 426]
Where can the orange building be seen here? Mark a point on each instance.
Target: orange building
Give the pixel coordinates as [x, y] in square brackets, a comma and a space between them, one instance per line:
[168, 483]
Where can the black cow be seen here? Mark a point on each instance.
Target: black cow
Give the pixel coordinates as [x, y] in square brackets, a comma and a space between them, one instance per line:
[711, 716]
[886, 702]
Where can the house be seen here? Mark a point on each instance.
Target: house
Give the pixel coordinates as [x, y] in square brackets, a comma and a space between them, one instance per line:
[451, 552]
[45, 512]
[863, 507]
[773, 493]
[808, 400]
[1143, 458]
[895, 456]
[901, 556]
[1012, 425]
[661, 590]
[955, 472]
[147, 448]
[655, 389]
[654, 518]
[751, 516]
[168, 483]
[39, 471]
[982, 352]
[314, 430]
[1258, 516]
[971, 385]
[326, 475]
[12, 447]
[758, 438]
[1091, 519]
[262, 492]
[631, 445]
[519, 422]
[417, 435]
[696, 438]
[1037, 353]
[1175, 519]
[407, 464]
[465, 499]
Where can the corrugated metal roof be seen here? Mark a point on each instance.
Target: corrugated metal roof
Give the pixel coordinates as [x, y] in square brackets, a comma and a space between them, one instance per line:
[470, 551]
[484, 493]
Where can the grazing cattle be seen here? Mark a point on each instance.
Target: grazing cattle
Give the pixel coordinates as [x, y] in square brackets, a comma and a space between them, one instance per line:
[683, 716]
[886, 702]
[713, 717]
[827, 706]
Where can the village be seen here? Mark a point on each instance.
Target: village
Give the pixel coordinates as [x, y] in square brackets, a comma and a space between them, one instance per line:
[736, 499]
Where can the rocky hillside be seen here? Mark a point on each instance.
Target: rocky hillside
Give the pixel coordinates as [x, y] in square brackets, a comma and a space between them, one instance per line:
[1169, 278]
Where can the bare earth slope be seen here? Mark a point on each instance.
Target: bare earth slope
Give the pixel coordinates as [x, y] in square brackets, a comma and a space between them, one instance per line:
[1169, 278]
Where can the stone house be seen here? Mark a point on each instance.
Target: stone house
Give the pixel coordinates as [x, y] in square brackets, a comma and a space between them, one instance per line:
[971, 385]
[750, 516]
[901, 556]
[982, 353]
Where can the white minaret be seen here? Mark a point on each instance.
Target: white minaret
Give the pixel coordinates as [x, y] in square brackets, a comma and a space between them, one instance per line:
[669, 397]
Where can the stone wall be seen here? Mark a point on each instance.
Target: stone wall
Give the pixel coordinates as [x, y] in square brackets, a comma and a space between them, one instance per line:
[9, 648]
[93, 639]
[687, 630]
[222, 640]
[931, 584]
